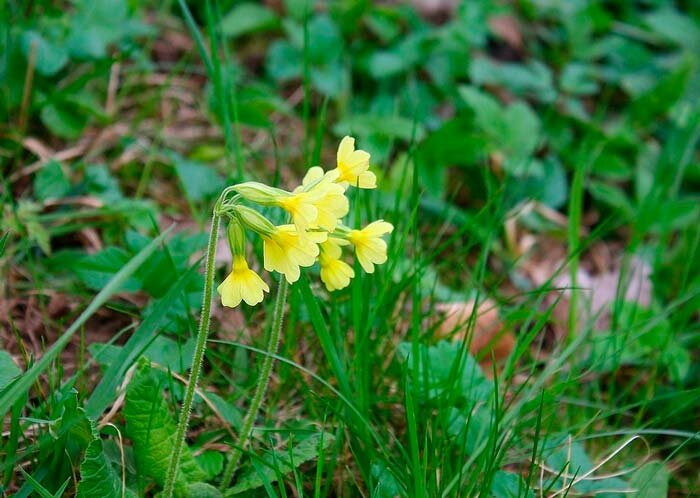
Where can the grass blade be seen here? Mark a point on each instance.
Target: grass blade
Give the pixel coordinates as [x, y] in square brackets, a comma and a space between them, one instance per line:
[23, 384]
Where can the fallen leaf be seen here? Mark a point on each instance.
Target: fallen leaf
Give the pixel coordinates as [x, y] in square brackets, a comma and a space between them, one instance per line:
[487, 335]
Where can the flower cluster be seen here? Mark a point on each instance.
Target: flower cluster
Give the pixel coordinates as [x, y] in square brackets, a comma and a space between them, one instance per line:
[315, 233]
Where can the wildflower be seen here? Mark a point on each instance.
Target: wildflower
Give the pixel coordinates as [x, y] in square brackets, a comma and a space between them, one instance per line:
[299, 204]
[353, 165]
[335, 272]
[284, 250]
[330, 201]
[253, 220]
[369, 246]
[242, 284]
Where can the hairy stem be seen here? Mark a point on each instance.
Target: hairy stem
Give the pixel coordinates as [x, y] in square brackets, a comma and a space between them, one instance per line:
[202, 333]
[273, 340]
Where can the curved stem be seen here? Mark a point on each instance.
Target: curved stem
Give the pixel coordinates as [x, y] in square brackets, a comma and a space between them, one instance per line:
[273, 340]
[202, 333]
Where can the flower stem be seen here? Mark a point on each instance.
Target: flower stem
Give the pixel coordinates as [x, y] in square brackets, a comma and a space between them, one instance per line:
[273, 340]
[202, 333]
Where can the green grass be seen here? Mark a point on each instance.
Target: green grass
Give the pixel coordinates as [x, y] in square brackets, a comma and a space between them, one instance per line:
[533, 176]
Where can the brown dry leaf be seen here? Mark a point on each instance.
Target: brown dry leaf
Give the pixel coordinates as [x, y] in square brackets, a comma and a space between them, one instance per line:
[436, 10]
[488, 334]
[507, 28]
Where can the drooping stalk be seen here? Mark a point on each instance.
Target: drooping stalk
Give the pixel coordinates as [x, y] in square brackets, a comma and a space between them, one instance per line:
[263, 381]
[198, 357]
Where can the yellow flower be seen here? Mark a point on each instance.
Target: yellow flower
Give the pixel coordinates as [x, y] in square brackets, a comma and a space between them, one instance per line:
[301, 206]
[242, 284]
[369, 246]
[353, 165]
[284, 251]
[329, 197]
[335, 273]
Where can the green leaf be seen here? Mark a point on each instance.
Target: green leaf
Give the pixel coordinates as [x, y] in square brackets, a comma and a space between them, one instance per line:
[447, 366]
[63, 120]
[656, 102]
[50, 57]
[487, 110]
[522, 130]
[3, 242]
[675, 26]
[509, 485]
[211, 462]
[98, 477]
[385, 126]
[198, 180]
[282, 463]
[650, 481]
[105, 391]
[12, 394]
[246, 18]
[174, 356]
[200, 490]
[8, 369]
[151, 428]
[284, 61]
[385, 63]
[579, 79]
[41, 490]
[533, 78]
[50, 182]
[95, 270]
[325, 40]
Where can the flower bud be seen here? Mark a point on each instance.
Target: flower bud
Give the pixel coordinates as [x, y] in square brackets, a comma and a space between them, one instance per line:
[254, 220]
[259, 193]
[236, 237]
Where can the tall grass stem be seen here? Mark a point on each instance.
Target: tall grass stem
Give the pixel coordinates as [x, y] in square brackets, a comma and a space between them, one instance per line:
[198, 357]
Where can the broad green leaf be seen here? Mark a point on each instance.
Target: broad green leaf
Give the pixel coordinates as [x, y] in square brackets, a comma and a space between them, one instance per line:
[100, 182]
[447, 367]
[105, 391]
[564, 453]
[49, 56]
[95, 270]
[200, 490]
[325, 40]
[97, 475]
[51, 182]
[675, 26]
[8, 369]
[650, 481]
[522, 130]
[151, 427]
[487, 111]
[385, 63]
[211, 462]
[12, 394]
[509, 485]
[533, 78]
[284, 61]
[63, 120]
[199, 181]
[656, 102]
[579, 79]
[386, 126]
[385, 483]
[174, 356]
[282, 463]
[247, 18]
